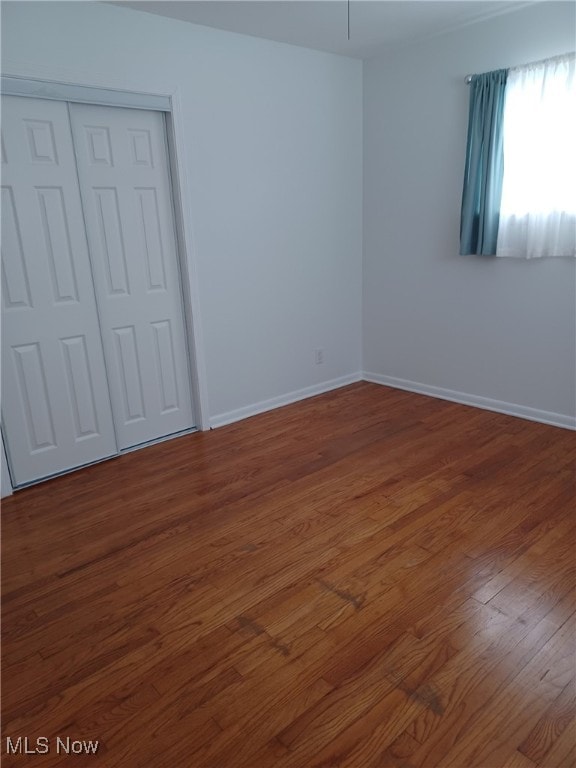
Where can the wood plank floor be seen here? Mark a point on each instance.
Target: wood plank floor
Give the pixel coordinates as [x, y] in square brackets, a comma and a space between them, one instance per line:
[369, 578]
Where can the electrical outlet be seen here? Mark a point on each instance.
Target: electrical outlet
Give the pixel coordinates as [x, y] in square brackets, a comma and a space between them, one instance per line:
[319, 356]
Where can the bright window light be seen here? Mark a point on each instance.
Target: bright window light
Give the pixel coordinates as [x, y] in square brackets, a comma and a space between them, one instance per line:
[540, 141]
[538, 208]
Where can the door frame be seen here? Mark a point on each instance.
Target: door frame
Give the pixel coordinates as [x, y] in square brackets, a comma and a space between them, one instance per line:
[170, 104]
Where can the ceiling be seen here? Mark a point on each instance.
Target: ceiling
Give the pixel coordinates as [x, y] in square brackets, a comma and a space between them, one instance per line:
[375, 25]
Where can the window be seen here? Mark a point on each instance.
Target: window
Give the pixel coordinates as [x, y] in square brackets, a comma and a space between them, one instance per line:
[519, 195]
[538, 205]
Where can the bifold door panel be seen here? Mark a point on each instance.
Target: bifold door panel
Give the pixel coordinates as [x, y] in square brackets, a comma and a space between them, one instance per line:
[125, 187]
[56, 408]
[94, 353]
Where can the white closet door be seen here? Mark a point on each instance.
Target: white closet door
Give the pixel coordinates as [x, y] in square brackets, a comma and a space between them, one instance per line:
[125, 187]
[55, 404]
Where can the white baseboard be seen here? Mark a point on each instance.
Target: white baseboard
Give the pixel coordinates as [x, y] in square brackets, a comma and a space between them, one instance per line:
[510, 409]
[464, 398]
[230, 417]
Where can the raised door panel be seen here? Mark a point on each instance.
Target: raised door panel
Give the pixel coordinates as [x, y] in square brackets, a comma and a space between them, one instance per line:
[56, 408]
[125, 186]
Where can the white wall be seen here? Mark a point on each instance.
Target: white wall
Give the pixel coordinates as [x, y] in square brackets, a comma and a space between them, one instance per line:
[477, 326]
[274, 158]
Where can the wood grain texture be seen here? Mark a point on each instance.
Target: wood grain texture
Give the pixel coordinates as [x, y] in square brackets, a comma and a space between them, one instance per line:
[366, 579]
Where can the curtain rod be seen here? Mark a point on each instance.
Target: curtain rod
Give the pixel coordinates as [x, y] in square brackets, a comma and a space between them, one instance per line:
[468, 78]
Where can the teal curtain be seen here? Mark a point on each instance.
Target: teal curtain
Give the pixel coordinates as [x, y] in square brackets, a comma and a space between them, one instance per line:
[484, 169]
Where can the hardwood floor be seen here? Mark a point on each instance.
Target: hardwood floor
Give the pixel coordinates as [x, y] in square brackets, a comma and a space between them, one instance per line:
[366, 579]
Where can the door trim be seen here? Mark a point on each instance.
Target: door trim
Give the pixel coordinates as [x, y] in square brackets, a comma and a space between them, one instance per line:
[180, 185]
[171, 104]
[85, 94]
